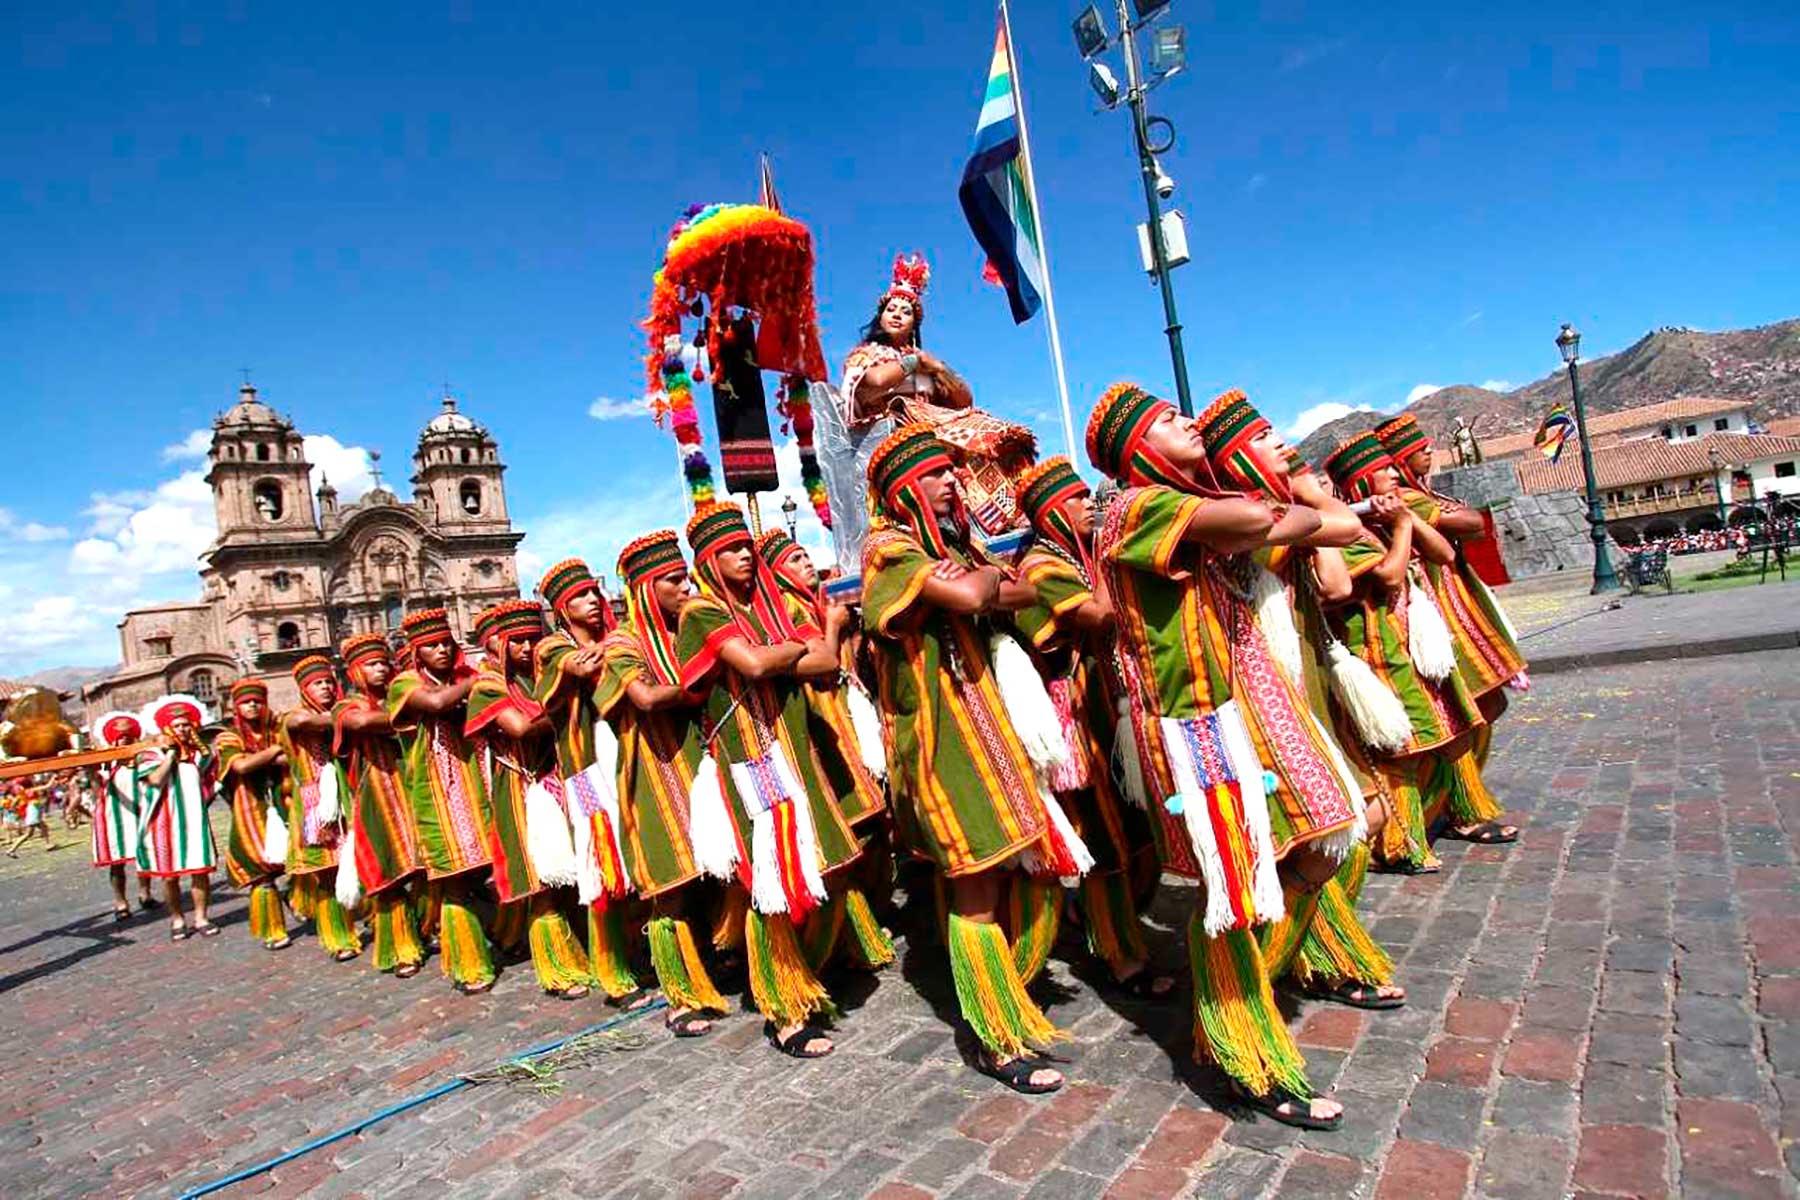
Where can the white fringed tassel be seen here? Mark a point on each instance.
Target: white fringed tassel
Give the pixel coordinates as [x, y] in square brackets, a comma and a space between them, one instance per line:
[1379, 716]
[1275, 617]
[1196, 813]
[347, 886]
[606, 752]
[275, 837]
[331, 809]
[1034, 862]
[867, 724]
[767, 895]
[1033, 714]
[1428, 638]
[709, 824]
[1128, 765]
[548, 840]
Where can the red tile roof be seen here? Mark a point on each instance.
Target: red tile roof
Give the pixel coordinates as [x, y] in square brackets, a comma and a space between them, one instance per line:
[1611, 427]
[1646, 460]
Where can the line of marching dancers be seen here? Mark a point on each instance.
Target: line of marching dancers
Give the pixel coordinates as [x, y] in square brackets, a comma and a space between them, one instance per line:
[1260, 675]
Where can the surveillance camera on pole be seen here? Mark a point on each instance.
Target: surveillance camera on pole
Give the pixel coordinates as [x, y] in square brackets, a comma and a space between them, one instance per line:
[1165, 187]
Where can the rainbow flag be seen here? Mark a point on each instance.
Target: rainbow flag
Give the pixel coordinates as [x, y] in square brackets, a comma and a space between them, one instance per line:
[996, 191]
[1557, 428]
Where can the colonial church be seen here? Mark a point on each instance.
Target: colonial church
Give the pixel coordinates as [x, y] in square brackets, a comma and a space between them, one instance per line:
[292, 572]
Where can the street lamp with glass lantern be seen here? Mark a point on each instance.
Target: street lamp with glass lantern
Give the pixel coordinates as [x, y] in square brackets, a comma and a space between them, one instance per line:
[1568, 342]
[789, 513]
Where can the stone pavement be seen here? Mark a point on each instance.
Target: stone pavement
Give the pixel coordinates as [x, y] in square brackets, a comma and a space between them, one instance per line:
[1610, 1008]
[1570, 630]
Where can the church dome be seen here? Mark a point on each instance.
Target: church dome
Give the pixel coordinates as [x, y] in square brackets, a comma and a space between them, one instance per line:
[450, 421]
[249, 411]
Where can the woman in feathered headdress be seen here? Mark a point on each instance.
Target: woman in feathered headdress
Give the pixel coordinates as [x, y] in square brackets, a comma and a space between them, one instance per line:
[892, 377]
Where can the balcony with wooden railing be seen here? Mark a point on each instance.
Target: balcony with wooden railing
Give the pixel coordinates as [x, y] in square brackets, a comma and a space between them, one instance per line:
[1645, 506]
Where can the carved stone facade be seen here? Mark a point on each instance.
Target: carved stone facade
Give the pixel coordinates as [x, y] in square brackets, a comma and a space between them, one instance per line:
[293, 573]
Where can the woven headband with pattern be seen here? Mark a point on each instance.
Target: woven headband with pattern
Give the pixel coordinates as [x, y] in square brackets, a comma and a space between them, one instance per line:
[904, 455]
[651, 555]
[566, 580]
[312, 667]
[244, 688]
[426, 627]
[716, 526]
[1043, 486]
[1353, 462]
[484, 624]
[1402, 436]
[1117, 423]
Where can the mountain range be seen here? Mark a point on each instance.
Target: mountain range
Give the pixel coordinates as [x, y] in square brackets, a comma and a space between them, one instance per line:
[1760, 365]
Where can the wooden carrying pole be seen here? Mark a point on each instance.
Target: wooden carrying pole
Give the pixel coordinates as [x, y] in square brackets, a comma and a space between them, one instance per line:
[69, 762]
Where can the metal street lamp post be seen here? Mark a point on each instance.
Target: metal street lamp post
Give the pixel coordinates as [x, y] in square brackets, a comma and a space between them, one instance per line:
[789, 513]
[1569, 343]
[1719, 482]
[1091, 39]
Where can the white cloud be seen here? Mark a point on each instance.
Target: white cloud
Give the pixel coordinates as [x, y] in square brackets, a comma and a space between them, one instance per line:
[136, 535]
[47, 623]
[1309, 419]
[346, 466]
[1423, 390]
[13, 529]
[197, 444]
[608, 408]
[1497, 385]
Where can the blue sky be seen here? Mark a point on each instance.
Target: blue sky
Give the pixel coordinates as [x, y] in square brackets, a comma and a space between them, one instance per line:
[362, 205]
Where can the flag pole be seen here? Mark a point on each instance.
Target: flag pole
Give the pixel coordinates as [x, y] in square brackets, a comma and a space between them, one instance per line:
[1037, 218]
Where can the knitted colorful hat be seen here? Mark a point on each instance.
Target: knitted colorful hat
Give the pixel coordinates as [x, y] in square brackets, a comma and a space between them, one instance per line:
[484, 624]
[1354, 462]
[903, 457]
[565, 581]
[427, 627]
[1228, 426]
[117, 729]
[312, 667]
[644, 560]
[775, 545]
[1402, 436]
[1117, 425]
[716, 526]
[510, 619]
[651, 555]
[249, 689]
[1043, 486]
[362, 647]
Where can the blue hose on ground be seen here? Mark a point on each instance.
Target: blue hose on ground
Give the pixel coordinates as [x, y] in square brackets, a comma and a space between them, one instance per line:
[411, 1102]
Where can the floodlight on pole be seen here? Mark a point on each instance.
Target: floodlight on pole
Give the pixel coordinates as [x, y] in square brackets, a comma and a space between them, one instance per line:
[1090, 32]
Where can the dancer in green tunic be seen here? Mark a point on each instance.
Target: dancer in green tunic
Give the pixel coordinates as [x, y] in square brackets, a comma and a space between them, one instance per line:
[762, 813]
[569, 664]
[534, 843]
[389, 863]
[251, 769]
[966, 792]
[444, 784]
[318, 797]
[656, 723]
